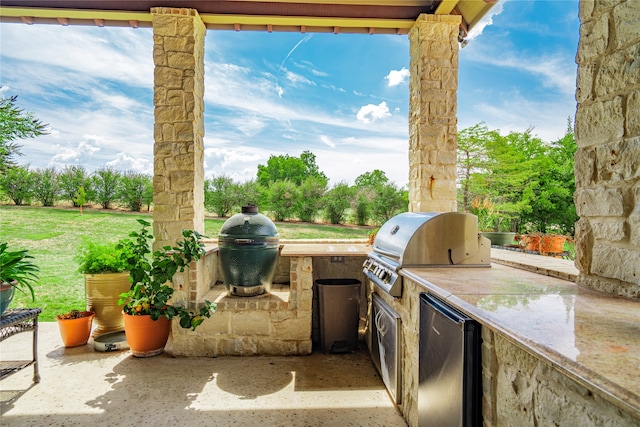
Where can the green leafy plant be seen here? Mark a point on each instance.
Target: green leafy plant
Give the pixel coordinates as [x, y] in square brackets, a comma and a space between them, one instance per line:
[95, 258]
[149, 293]
[18, 270]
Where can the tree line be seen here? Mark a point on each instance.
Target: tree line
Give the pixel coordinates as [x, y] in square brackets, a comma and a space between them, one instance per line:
[285, 193]
[514, 182]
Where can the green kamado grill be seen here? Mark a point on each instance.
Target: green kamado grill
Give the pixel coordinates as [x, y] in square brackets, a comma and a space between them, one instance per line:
[249, 244]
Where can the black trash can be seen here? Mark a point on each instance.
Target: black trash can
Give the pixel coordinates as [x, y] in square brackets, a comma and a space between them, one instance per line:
[339, 314]
[249, 245]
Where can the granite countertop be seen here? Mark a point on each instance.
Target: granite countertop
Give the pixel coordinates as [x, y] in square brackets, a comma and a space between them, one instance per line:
[325, 249]
[591, 336]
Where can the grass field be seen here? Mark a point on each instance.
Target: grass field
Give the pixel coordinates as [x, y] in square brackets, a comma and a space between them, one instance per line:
[53, 236]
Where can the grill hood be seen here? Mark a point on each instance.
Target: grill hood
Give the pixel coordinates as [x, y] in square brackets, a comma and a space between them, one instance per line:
[421, 239]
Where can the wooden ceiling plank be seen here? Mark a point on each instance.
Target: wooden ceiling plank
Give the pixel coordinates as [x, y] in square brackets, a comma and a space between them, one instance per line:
[445, 7]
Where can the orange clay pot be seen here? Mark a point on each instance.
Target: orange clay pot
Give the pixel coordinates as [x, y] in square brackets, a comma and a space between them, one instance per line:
[146, 337]
[528, 242]
[75, 332]
[550, 244]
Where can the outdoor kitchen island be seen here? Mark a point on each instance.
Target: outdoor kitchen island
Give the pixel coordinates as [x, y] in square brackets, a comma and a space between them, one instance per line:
[553, 353]
[281, 322]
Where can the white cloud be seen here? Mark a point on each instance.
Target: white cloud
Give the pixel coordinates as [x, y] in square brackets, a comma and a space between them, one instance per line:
[308, 65]
[397, 77]
[123, 55]
[370, 113]
[327, 141]
[297, 79]
[75, 154]
[124, 162]
[485, 21]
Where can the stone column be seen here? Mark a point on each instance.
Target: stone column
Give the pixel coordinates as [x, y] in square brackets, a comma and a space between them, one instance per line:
[432, 113]
[178, 182]
[607, 161]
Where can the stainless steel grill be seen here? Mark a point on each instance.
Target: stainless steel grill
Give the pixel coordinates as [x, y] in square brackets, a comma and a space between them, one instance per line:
[425, 239]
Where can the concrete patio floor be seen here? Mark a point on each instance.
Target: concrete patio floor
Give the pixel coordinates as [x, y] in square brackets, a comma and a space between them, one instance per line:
[80, 386]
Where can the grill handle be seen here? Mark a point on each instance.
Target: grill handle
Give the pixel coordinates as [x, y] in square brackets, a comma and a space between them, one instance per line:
[386, 253]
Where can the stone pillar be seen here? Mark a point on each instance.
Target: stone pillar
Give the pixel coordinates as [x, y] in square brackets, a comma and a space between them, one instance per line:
[178, 182]
[607, 161]
[433, 89]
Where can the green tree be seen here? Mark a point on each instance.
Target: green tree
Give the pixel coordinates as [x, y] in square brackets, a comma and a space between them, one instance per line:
[132, 190]
[309, 201]
[105, 182]
[249, 193]
[311, 168]
[549, 195]
[17, 183]
[285, 167]
[70, 179]
[221, 194]
[337, 201]
[371, 179]
[368, 185]
[472, 161]
[512, 164]
[387, 201]
[45, 186]
[81, 198]
[15, 124]
[283, 196]
[363, 206]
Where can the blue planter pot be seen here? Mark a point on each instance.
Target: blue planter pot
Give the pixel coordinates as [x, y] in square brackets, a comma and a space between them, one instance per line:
[6, 295]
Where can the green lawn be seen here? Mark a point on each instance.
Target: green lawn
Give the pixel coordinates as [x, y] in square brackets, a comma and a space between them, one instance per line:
[53, 235]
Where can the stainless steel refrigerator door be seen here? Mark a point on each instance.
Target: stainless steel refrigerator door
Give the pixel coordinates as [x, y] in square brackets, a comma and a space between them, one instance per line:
[448, 366]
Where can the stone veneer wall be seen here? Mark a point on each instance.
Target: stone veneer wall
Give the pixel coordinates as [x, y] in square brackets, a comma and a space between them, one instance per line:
[607, 162]
[433, 87]
[520, 389]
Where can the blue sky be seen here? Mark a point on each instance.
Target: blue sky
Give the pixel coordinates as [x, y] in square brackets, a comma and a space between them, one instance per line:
[342, 97]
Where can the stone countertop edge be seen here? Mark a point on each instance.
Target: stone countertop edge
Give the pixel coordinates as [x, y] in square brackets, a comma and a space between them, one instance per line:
[609, 390]
[325, 249]
[312, 248]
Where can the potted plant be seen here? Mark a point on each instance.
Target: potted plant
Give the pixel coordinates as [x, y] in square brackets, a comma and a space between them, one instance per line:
[147, 306]
[106, 276]
[553, 244]
[17, 271]
[75, 327]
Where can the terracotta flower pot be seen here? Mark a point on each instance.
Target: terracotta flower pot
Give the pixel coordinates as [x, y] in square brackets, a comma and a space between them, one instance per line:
[146, 337]
[552, 244]
[75, 332]
[529, 242]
